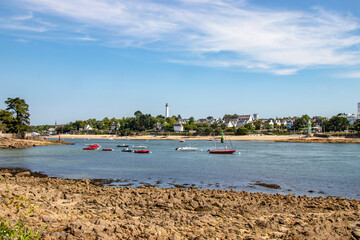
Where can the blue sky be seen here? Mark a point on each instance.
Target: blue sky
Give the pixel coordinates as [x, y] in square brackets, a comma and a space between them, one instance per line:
[77, 59]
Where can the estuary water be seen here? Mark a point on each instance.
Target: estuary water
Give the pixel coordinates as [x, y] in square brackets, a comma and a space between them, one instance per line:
[312, 169]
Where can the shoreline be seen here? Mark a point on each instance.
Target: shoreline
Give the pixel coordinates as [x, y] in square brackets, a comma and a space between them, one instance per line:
[267, 138]
[80, 209]
[12, 142]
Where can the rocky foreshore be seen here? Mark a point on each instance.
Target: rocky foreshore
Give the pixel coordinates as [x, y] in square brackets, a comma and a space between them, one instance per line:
[79, 209]
[13, 142]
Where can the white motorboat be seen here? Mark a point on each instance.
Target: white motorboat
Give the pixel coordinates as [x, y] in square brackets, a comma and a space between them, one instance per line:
[186, 149]
[140, 146]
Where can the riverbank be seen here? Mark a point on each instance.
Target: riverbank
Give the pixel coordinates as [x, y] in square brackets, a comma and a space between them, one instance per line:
[79, 209]
[259, 137]
[7, 142]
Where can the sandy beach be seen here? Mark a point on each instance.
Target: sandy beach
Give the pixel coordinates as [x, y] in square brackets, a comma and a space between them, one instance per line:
[270, 138]
[80, 209]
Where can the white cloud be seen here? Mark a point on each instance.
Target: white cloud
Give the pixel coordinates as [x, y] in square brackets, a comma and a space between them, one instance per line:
[23, 17]
[284, 72]
[354, 74]
[22, 27]
[22, 40]
[230, 33]
[85, 38]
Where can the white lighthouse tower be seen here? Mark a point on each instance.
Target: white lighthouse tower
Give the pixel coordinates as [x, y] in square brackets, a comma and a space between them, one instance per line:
[167, 110]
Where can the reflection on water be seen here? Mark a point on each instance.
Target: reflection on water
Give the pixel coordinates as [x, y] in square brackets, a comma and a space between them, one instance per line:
[322, 169]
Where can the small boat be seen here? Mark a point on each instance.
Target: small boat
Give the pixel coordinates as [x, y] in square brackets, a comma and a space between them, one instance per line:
[140, 146]
[186, 149]
[92, 147]
[126, 150]
[108, 149]
[221, 151]
[142, 151]
[122, 145]
[181, 140]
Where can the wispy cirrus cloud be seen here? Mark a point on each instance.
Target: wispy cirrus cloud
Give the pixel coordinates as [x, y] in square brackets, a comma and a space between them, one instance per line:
[213, 33]
[353, 74]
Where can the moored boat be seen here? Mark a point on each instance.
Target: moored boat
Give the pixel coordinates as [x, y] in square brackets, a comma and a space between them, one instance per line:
[186, 149]
[140, 146]
[108, 149]
[142, 151]
[126, 150]
[221, 151]
[92, 147]
[122, 145]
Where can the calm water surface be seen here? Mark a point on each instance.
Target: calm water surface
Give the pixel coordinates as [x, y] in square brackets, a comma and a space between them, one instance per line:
[322, 169]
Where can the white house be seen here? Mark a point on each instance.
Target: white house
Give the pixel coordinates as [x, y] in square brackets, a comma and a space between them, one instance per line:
[88, 128]
[158, 126]
[278, 122]
[289, 124]
[178, 127]
[231, 124]
[114, 126]
[183, 121]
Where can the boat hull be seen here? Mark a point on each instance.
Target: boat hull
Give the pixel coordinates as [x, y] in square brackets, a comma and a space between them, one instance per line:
[142, 151]
[127, 150]
[108, 149]
[222, 151]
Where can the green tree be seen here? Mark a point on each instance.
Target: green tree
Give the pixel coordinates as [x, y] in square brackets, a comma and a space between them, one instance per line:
[258, 124]
[242, 131]
[6, 119]
[357, 125]
[268, 126]
[249, 127]
[229, 116]
[218, 130]
[191, 120]
[337, 123]
[231, 129]
[208, 130]
[19, 121]
[79, 124]
[301, 123]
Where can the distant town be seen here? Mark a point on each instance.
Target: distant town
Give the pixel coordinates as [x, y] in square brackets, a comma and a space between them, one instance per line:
[230, 123]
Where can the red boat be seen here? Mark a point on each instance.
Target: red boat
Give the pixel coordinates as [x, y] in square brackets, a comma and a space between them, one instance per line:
[92, 147]
[108, 149]
[142, 151]
[222, 151]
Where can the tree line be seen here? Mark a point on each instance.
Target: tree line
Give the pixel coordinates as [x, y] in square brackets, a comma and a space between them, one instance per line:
[16, 119]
